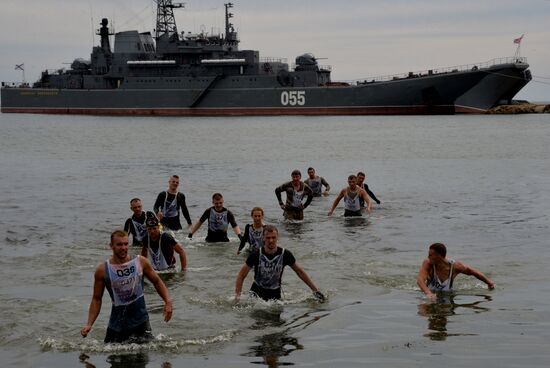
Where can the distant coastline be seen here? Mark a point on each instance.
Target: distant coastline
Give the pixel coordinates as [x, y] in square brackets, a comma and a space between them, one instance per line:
[522, 107]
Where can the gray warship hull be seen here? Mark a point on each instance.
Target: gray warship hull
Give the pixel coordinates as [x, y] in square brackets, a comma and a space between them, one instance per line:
[207, 75]
[458, 92]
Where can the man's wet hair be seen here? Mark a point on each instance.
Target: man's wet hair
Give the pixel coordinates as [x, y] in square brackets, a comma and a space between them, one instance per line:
[175, 176]
[118, 233]
[351, 177]
[217, 196]
[310, 168]
[256, 209]
[296, 172]
[439, 248]
[134, 200]
[270, 229]
[360, 173]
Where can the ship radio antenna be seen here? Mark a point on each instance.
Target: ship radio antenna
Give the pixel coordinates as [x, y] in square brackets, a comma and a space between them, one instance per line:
[230, 34]
[166, 22]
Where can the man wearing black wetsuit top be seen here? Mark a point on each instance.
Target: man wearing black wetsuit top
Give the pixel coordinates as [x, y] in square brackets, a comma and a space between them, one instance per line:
[168, 204]
[268, 265]
[135, 225]
[219, 218]
[360, 181]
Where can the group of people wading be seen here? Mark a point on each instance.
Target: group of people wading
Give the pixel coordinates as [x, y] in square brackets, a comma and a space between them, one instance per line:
[123, 275]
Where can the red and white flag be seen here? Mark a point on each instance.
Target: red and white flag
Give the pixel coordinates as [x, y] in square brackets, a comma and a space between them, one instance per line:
[518, 40]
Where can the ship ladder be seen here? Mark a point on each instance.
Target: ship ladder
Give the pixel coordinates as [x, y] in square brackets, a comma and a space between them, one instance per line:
[205, 91]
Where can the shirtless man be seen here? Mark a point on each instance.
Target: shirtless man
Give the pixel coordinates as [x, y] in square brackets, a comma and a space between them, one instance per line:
[268, 264]
[295, 191]
[168, 205]
[316, 183]
[122, 275]
[352, 195]
[438, 273]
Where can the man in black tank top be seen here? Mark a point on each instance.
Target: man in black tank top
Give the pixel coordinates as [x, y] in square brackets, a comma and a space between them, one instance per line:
[135, 225]
[219, 218]
[268, 265]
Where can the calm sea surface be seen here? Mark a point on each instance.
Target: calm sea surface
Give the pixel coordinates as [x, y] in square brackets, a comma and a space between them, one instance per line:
[480, 184]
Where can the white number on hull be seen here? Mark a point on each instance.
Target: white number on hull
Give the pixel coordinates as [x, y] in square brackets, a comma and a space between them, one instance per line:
[293, 98]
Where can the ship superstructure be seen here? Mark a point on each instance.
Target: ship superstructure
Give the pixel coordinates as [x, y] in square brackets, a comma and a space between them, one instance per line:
[183, 73]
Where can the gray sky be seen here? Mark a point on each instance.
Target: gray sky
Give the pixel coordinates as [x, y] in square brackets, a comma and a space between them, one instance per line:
[360, 39]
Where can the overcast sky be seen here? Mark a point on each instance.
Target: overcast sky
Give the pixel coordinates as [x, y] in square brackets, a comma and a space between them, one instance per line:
[360, 39]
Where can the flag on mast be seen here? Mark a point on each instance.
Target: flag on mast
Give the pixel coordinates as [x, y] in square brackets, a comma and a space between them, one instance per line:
[20, 66]
[518, 40]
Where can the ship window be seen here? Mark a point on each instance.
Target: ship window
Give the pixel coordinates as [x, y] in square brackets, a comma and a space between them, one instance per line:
[138, 45]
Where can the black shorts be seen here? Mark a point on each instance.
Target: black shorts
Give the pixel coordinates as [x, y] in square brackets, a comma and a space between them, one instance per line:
[216, 237]
[294, 213]
[138, 335]
[265, 294]
[348, 213]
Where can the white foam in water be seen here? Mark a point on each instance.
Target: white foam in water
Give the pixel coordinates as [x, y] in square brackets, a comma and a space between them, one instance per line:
[159, 343]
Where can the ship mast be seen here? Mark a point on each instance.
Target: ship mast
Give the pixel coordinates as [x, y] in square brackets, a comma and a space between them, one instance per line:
[230, 34]
[166, 22]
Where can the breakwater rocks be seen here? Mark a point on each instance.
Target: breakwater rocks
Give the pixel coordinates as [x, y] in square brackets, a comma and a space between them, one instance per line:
[523, 108]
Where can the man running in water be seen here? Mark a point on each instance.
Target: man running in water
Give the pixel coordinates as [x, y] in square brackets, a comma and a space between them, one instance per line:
[438, 273]
[135, 225]
[352, 195]
[253, 232]
[295, 191]
[122, 275]
[168, 204]
[361, 182]
[268, 265]
[160, 247]
[316, 183]
[219, 218]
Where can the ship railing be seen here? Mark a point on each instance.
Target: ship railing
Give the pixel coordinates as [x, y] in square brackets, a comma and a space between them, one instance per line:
[439, 71]
[273, 60]
[324, 68]
[15, 85]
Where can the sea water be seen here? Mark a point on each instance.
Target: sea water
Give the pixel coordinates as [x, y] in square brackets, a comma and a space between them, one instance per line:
[480, 184]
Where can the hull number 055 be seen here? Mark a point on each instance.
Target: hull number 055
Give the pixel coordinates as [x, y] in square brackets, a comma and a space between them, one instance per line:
[293, 98]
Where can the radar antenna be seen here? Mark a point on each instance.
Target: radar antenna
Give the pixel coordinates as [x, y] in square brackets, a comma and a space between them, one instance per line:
[230, 34]
[166, 23]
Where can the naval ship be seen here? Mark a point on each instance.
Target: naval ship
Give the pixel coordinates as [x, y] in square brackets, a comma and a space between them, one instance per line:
[203, 74]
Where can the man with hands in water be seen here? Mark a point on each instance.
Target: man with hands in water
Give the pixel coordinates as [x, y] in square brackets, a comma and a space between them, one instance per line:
[295, 191]
[122, 276]
[268, 264]
[437, 273]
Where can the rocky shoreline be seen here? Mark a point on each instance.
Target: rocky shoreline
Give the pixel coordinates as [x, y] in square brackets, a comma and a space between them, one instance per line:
[521, 108]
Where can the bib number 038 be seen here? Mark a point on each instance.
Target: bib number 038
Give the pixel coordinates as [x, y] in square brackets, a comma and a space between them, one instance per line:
[293, 98]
